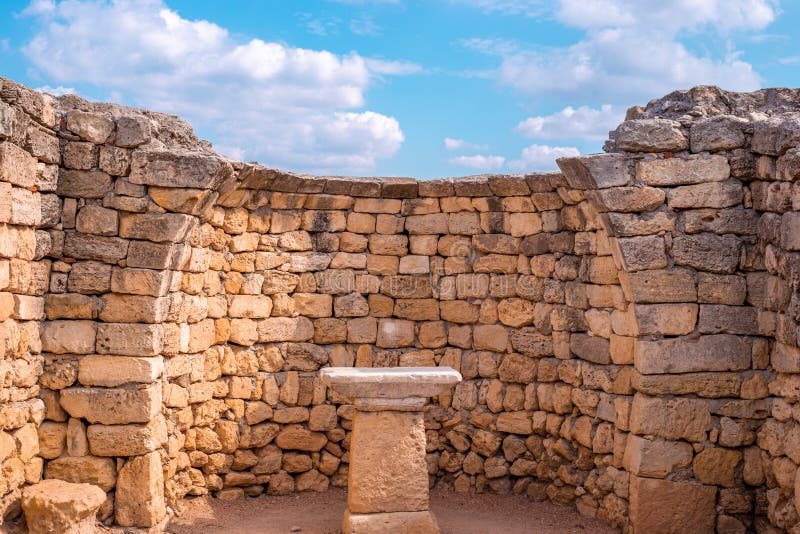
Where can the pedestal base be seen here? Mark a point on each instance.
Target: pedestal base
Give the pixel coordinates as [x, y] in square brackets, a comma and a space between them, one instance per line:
[390, 523]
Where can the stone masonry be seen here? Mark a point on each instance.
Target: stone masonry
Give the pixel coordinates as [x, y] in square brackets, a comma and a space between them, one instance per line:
[627, 329]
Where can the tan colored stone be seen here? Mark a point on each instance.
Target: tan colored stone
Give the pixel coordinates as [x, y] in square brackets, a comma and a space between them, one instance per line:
[671, 507]
[296, 437]
[380, 482]
[677, 418]
[655, 458]
[716, 466]
[84, 470]
[112, 405]
[385, 523]
[395, 333]
[126, 440]
[140, 492]
[63, 507]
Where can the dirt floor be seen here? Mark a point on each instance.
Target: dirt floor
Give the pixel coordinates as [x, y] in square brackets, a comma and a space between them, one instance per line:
[321, 513]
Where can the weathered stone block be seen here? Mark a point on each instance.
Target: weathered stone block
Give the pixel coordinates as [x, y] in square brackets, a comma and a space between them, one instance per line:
[176, 168]
[59, 506]
[140, 492]
[682, 171]
[16, 165]
[650, 135]
[684, 355]
[667, 319]
[69, 337]
[129, 339]
[126, 440]
[112, 406]
[113, 371]
[655, 458]
[707, 252]
[101, 472]
[387, 483]
[83, 184]
[671, 507]
[678, 418]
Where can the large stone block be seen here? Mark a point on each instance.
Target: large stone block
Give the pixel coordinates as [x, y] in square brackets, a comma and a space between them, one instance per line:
[155, 283]
[650, 135]
[719, 352]
[126, 440]
[673, 285]
[95, 247]
[16, 166]
[133, 309]
[112, 406]
[666, 319]
[158, 227]
[381, 482]
[83, 184]
[707, 252]
[709, 195]
[101, 472]
[678, 418]
[655, 458]
[127, 339]
[670, 507]
[59, 506]
[178, 168]
[140, 492]
[69, 337]
[682, 171]
[113, 371]
[277, 329]
[93, 127]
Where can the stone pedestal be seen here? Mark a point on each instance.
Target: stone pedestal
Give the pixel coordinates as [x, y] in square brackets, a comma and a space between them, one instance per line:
[388, 476]
[63, 507]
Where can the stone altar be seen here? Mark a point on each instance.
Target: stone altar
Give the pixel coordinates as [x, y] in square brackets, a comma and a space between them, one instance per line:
[388, 476]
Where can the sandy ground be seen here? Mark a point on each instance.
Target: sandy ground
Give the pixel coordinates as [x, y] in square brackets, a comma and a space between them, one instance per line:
[321, 513]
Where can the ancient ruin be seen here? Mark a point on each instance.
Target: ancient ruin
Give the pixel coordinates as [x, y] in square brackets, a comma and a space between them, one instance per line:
[626, 329]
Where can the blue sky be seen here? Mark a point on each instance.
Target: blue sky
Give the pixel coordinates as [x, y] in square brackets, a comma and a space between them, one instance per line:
[398, 87]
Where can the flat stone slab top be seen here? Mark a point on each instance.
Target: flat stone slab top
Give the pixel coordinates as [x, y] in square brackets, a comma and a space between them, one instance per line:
[389, 382]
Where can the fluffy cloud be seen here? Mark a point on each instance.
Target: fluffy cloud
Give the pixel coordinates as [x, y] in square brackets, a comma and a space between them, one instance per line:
[633, 50]
[592, 124]
[542, 157]
[480, 162]
[286, 106]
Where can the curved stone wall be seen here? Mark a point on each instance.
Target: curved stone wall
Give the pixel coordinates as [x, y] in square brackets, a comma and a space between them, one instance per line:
[626, 329]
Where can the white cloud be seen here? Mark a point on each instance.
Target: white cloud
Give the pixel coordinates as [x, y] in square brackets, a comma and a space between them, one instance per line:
[396, 68]
[586, 123]
[291, 107]
[480, 162]
[542, 157]
[57, 91]
[632, 49]
[460, 144]
[528, 8]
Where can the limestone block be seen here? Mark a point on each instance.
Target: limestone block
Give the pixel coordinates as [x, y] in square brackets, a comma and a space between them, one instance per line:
[387, 523]
[720, 132]
[707, 252]
[129, 339]
[790, 231]
[92, 247]
[63, 507]
[132, 131]
[83, 184]
[158, 227]
[650, 135]
[69, 337]
[52, 439]
[417, 309]
[155, 283]
[145, 254]
[296, 437]
[101, 472]
[715, 319]
[716, 466]
[133, 309]
[16, 165]
[113, 371]
[178, 168]
[249, 306]
[673, 285]
[93, 127]
[362, 330]
[518, 422]
[666, 319]
[655, 458]
[490, 337]
[678, 418]
[97, 220]
[140, 492]
[395, 333]
[721, 289]
[671, 507]
[720, 352]
[681, 171]
[126, 440]
[642, 252]
[112, 406]
[381, 482]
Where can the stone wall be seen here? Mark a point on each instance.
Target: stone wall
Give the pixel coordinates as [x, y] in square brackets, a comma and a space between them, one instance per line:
[626, 329]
